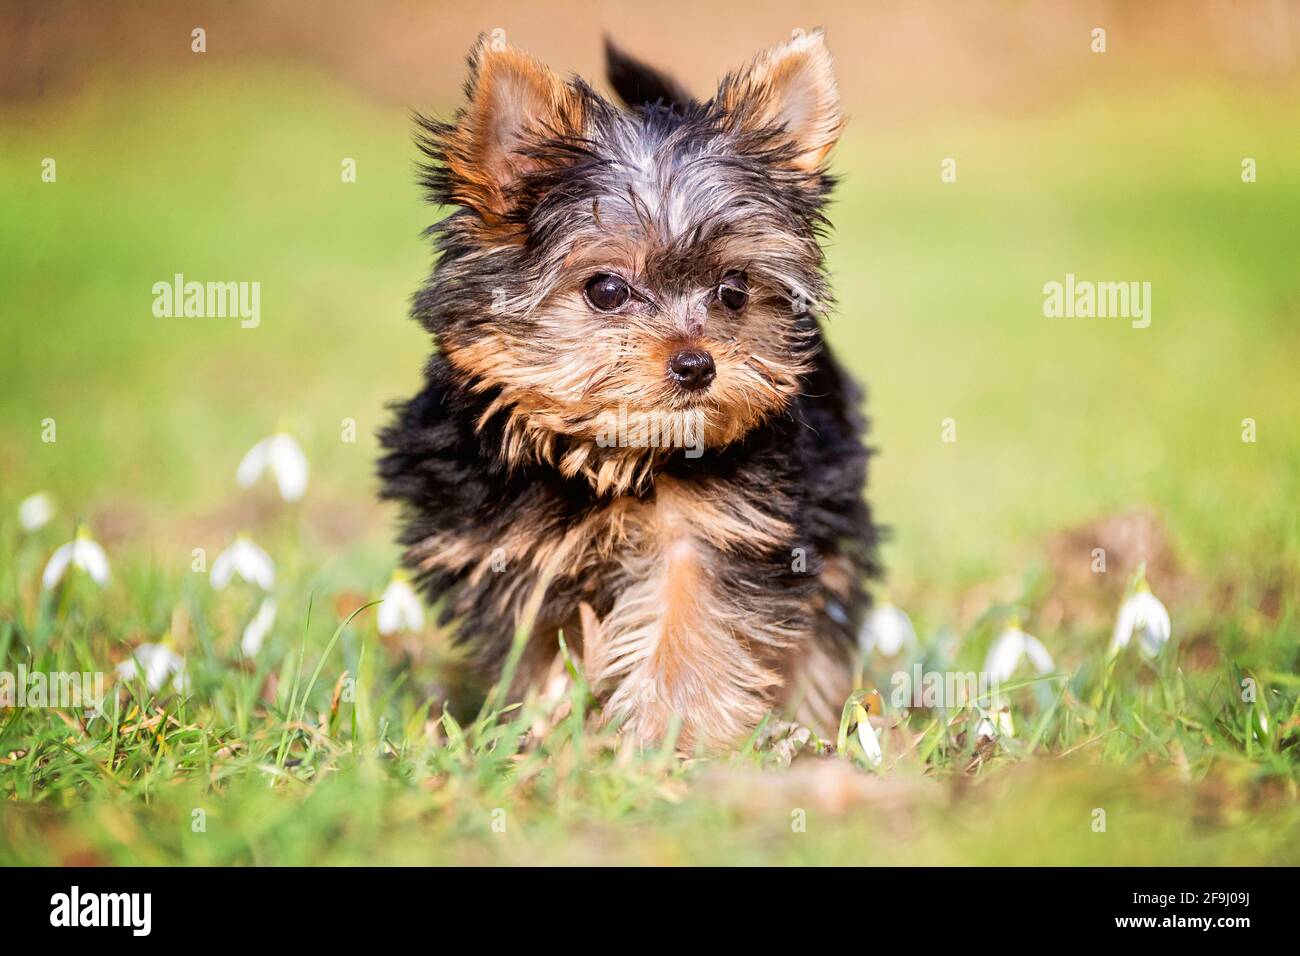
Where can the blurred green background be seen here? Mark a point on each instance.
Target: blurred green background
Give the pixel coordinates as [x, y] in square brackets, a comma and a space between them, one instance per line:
[227, 167]
[1116, 166]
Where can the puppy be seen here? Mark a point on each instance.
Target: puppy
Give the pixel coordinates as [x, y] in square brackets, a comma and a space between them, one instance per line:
[631, 430]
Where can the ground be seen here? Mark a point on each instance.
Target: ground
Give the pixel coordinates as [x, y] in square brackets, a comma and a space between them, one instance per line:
[331, 744]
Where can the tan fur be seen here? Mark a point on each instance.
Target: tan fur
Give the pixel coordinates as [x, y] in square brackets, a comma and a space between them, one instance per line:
[512, 96]
[817, 684]
[792, 86]
[674, 644]
[574, 378]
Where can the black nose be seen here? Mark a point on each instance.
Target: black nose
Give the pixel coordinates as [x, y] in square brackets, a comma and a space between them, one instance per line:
[692, 368]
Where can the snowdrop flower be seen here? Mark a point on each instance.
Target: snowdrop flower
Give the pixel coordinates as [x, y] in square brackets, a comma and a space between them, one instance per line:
[887, 630]
[248, 561]
[400, 607]
[1144, 616]
[35, 511]
[1013, 644]
[868, 736]
[258, 628]
[157, 664]
[1001, 724]
[82, 552]
[284, 457]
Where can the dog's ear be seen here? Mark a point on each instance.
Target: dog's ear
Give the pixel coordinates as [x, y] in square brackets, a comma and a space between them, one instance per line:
[516, 104]
[639, 84]
[790, 87]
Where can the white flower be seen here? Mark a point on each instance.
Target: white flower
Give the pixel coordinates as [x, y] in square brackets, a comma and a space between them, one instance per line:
[868, 737]
[887, 630]
[400, 607]
[284, 457]
[1013, 644]
[157, 664]
[81, 552]
[258, 628]
[248, 561]
[35, 511]
[1001, 724]
[1143, 615]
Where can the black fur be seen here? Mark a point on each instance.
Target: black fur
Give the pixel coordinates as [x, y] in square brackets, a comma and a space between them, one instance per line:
[639, 84]
[807, 465]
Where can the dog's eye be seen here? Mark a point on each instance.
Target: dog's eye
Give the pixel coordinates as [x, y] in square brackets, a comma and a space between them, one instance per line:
[733, 292]
[607, 293]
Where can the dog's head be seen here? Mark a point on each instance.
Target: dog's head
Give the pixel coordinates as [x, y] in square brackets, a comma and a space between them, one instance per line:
[608, 262]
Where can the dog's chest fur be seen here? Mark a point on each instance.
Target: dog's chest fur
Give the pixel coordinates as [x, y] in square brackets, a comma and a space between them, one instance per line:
[708, 590]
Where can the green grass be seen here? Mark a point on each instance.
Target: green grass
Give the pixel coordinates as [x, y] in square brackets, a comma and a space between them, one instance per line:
[234, 174]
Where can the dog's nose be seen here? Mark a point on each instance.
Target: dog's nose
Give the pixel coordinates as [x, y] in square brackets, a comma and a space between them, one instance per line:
[693, 369]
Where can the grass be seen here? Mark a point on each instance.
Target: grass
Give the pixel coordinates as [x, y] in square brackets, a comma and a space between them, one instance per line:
[332, 745]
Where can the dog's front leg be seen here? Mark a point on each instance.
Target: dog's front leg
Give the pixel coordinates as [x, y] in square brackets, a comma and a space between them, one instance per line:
[674, 645]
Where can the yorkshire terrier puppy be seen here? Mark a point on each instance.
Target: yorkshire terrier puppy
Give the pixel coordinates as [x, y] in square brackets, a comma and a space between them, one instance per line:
[632, 430]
